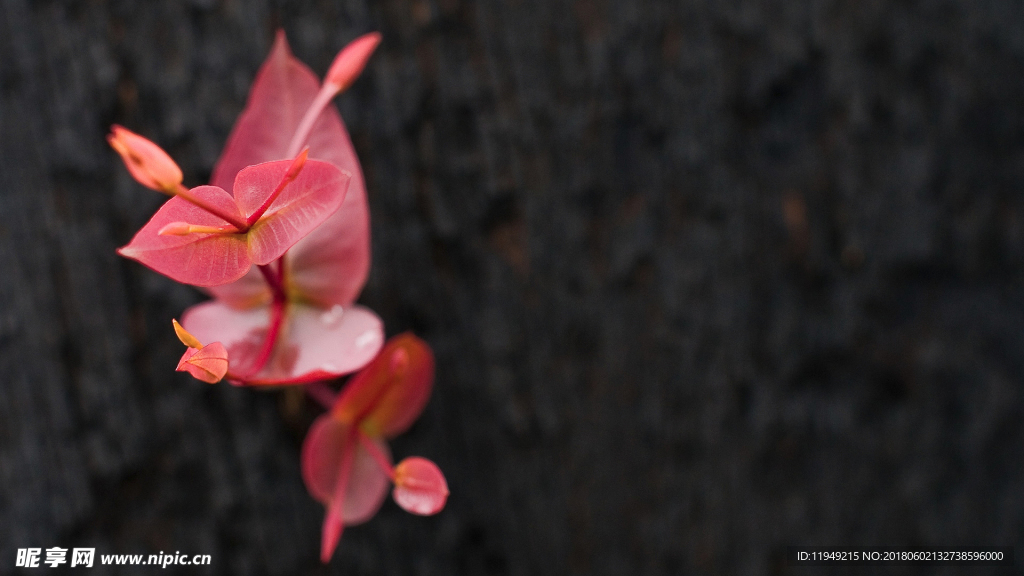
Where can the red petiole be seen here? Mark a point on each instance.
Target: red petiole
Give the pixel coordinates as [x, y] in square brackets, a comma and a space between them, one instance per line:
[186, 194]
[376, 454]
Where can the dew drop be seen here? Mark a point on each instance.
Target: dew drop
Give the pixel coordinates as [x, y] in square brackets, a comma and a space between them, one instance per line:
[332, 316]
[367, 338]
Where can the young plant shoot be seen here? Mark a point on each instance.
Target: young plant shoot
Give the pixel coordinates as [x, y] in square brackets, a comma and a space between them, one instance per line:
[281, 240]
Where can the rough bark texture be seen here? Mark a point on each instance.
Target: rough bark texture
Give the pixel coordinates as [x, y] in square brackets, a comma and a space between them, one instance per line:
[704, 279]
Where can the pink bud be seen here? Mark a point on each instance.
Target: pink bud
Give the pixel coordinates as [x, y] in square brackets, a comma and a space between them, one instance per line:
[146, 161]
[349, 63]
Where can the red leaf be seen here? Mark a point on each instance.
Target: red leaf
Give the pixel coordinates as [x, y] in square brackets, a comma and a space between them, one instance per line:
[322, 452]
[342, 475]
[314, 344]
[387, 396]
[330, 265]
[420, 486]
[198, 259]
[302, 206]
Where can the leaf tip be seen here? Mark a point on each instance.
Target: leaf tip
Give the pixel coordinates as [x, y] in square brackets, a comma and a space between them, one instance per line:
[186, 338]
[331, 535]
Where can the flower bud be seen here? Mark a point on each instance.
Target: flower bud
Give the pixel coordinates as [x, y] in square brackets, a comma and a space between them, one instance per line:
[349, 63]
[146, 161]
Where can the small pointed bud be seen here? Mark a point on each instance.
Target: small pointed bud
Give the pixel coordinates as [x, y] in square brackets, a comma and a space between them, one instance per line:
[186, 338]
[146, 161]
[209, 363]
[420, 487]
[349, 63]
[175, 229]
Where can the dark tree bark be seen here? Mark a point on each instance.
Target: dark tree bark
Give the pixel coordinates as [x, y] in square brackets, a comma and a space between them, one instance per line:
[704, 280]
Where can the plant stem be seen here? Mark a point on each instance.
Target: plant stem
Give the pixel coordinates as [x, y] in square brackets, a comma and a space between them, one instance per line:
[376, 454]
[293, 172]
[276, 319]
[273, 280]
[323, 395]
[323, 98]
[186, 195]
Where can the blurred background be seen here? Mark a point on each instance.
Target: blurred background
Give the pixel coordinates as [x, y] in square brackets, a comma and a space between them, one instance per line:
[704, 279]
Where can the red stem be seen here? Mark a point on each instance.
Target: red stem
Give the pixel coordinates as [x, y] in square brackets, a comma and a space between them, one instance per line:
[276, 319]
[376, 454]
[186, 195]
[322, 394]
[274, 279]
[323, 98]
[290, 175]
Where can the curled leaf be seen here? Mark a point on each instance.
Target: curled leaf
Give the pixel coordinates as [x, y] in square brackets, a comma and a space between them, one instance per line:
[207, 363]
[387, 396]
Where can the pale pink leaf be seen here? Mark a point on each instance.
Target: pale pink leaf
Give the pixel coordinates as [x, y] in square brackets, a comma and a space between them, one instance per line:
[315, 344]
[282, 91]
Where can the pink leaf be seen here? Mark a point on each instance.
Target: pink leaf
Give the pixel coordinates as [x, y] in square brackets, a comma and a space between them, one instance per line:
[330, 265]
[321, 456]
[420, 486]
[282, 91]
[387, 396]
[208, 363]
[198, 259]
[249, 291]
[333, 460]
[368, 485]
[315, 344]
[302, 206]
